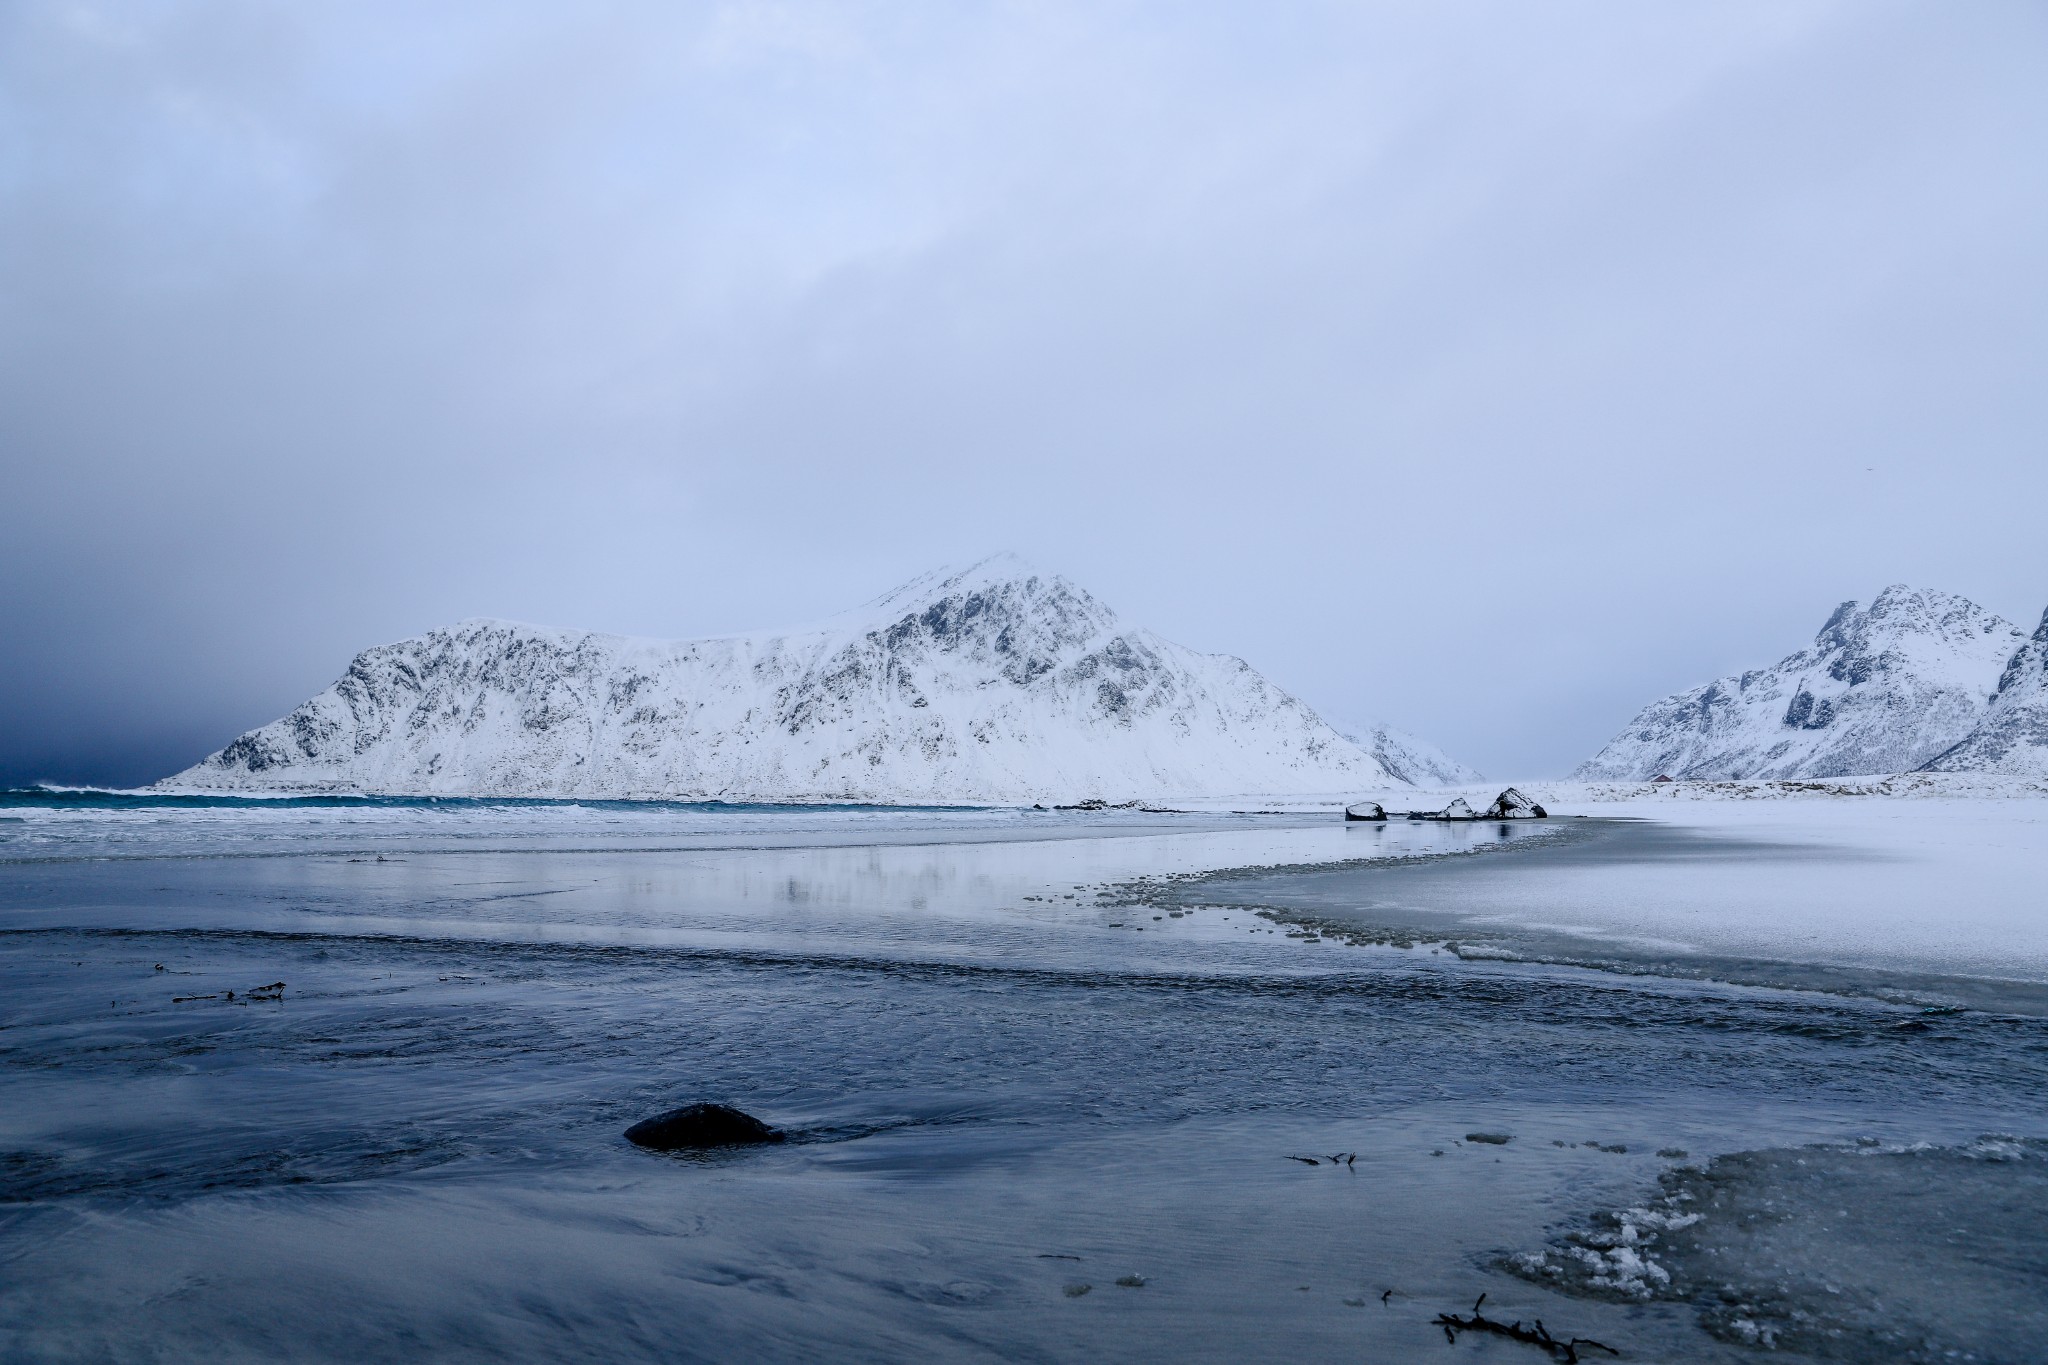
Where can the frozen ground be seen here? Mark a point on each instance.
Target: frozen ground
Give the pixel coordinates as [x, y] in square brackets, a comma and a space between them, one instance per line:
[1850, 1250]
[1946, 888]
[1899, 876]
[1036, 1115]
[1935, 885]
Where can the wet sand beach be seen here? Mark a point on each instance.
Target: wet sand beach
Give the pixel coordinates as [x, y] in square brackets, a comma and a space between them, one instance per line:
[1031, 1115]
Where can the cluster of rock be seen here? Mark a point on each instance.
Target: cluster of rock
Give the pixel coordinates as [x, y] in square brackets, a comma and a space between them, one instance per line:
[1509, 805]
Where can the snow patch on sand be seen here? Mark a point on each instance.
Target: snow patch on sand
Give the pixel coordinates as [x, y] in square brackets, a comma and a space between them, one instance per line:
[1613, 1256]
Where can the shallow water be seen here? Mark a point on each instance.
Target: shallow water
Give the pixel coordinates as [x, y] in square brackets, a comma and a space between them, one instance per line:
[1007, 1093]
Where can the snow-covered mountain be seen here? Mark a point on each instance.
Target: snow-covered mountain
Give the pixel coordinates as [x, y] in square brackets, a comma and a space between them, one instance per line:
[1885, 689]
[1409, 758]
[2012, 737]
[997, 684]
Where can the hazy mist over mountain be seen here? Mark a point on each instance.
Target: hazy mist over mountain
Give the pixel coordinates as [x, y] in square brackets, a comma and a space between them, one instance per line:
[1488, 369]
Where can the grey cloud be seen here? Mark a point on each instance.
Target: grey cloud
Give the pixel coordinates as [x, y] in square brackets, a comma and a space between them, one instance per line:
[1305, 334]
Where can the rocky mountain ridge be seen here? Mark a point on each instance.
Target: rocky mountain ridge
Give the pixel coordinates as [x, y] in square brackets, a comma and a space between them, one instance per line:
[1409, 758]
[1901, 684]
[998, 684]
[2012, 736]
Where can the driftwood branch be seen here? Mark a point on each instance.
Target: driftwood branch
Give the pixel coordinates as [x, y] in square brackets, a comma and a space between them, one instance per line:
[273, 991]
[1562, 1351]
[1340, 1159]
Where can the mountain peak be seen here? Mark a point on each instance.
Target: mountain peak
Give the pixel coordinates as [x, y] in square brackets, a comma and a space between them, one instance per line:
[2013, 735]
[996, 682]
[1001, 567]
[1885, 688]
[1921, 629]
[997, 571]
[1002, 594]
[1904, 601]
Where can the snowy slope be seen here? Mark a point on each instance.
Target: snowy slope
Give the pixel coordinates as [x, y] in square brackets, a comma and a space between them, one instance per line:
[2012, 737]
[1409, 758]
[1884, 689]
[996, 684]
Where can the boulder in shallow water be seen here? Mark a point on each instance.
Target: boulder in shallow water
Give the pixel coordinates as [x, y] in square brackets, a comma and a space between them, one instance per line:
[1365, 810]
[1512, 805]
[701, 1125]
[1457, 810]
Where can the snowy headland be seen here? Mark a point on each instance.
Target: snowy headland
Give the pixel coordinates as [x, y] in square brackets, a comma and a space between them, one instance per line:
[999, 684]
[1919, 679]
[1004, 685]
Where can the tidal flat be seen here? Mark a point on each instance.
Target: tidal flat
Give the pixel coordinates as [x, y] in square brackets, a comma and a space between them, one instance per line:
[1058, 1085]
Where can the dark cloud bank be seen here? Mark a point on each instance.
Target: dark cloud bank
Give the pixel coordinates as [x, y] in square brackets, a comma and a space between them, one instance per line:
[1486, 367]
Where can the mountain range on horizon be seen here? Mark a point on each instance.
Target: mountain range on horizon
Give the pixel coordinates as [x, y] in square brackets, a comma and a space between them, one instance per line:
[1003, 684]
[1917, 680]
[995, 684]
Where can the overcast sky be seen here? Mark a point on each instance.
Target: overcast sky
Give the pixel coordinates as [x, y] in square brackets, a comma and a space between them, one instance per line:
[1492, 368]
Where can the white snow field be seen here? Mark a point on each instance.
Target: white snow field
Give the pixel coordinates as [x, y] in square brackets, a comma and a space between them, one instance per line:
[1884, 689]
[998, 684]
[2013, 735]
[1947, 884]
[1941, 873]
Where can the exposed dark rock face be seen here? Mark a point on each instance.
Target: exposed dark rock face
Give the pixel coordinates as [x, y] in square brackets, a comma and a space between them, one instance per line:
[1365, 810]
[1512, 805]
[697, 1126]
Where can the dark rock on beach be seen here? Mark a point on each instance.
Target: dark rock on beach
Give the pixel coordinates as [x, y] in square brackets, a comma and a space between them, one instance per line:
[1512, 805]
[701, 1125]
